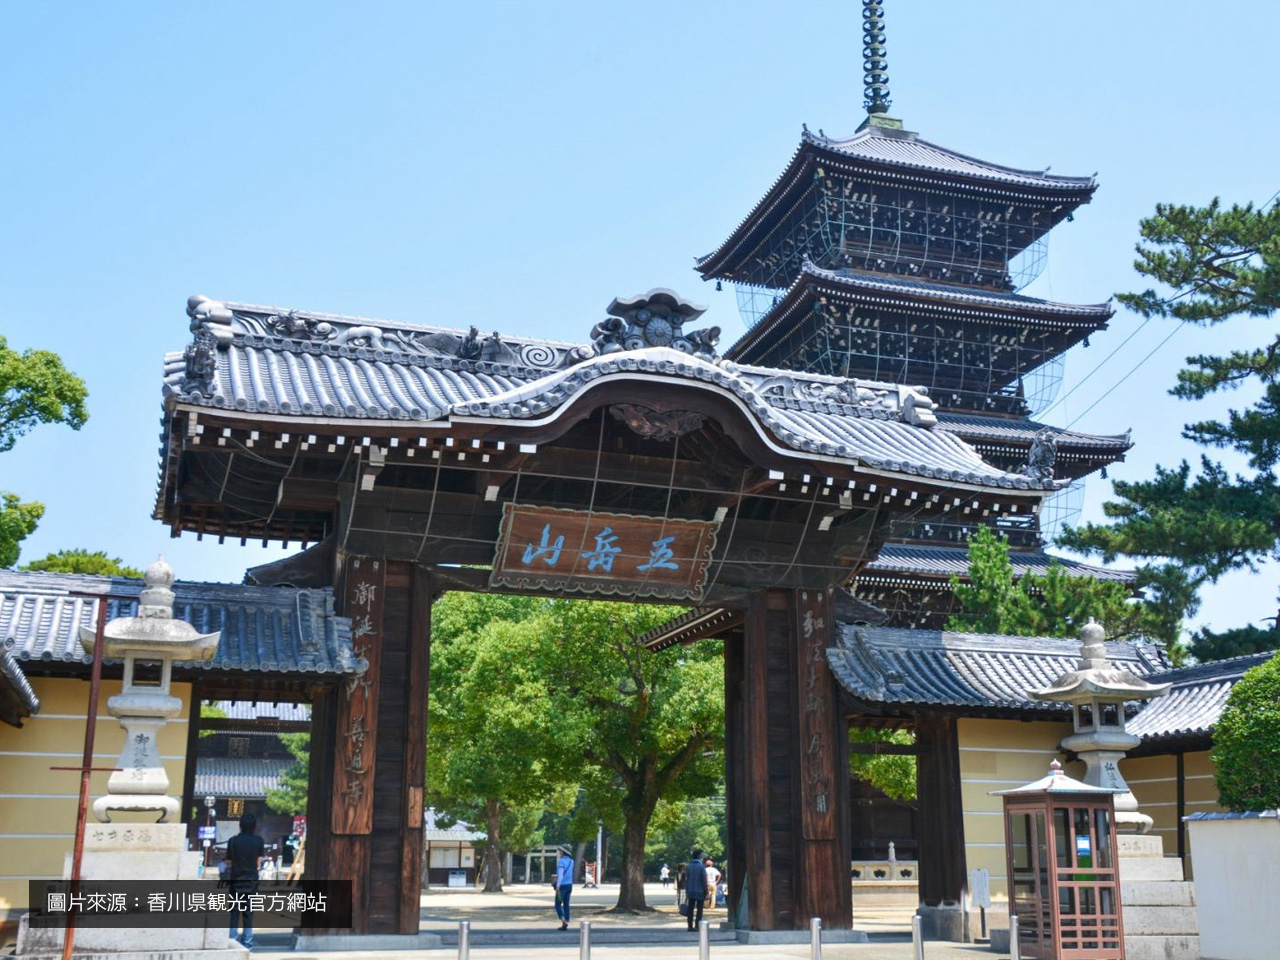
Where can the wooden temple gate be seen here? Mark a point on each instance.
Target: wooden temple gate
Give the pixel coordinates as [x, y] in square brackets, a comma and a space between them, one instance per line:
[422, 460]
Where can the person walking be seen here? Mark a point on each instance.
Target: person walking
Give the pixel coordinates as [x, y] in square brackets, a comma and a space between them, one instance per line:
[695, 887]
[564, 886]
[665, 875]
[713, 883]
[244, 853]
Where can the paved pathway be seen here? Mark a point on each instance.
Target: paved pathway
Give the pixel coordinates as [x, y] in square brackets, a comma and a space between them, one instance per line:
[520, 924]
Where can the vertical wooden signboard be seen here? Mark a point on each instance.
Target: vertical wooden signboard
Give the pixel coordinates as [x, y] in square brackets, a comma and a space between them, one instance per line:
[363, 587]
[818, 796]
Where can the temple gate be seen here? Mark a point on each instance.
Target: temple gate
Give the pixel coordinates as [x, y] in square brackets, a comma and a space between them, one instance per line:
[417, 460]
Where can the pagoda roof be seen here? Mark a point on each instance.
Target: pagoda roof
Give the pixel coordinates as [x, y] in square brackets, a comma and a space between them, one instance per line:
[248, 777]
[301, 369]
[927, 560]
[896, 156]
[981, 673]
[273, 630]
[904, 149]
[925, 297]
[985, 429]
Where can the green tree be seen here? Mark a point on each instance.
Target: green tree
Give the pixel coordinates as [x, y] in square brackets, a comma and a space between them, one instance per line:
[82, 561]
[1213, 265]
[291, 795]
[678, 826]
[1056, 604]
[18, 521]
[647, 726]
[491, 731]
[1246, 742]
[35, 388]
[894, 775]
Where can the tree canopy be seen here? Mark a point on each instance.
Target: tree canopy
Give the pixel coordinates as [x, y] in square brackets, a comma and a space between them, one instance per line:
[1213, 265]
[1246, 741]
[1056, 604]
[35, 388]
[82, 561]
[894, 775]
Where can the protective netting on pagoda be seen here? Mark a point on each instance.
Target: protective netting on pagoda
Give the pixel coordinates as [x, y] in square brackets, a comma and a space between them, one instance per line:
[944, 237]
[966, 364]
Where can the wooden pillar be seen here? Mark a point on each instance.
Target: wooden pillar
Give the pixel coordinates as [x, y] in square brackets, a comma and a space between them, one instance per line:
[319, 860]
[371, 790]
[735, 748]
[795, 766]
[941, 826]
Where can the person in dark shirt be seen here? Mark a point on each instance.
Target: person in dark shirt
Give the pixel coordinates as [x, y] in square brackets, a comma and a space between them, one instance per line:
[695, 886]
[244, 852]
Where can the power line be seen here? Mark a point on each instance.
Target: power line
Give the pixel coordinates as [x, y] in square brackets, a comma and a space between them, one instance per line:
[1131, 372]
[1100, 365]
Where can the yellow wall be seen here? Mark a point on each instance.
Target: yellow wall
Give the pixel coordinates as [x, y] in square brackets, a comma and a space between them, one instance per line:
[38, 805]
[997, 755]
[1154, 782]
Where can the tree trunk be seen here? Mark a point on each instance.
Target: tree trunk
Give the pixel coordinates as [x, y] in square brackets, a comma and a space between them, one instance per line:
[492, 862]
[631, 896]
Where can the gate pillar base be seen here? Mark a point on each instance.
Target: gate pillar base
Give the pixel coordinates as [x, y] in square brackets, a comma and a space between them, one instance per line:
[945, 921]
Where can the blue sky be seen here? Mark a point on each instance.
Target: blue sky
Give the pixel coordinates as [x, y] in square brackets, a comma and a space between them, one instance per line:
[517, 165]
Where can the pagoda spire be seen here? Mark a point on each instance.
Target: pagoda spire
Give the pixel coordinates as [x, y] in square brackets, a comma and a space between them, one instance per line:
[875, 65]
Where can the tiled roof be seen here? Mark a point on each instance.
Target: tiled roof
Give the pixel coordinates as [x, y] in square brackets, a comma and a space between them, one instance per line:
[1025, 307]
[1195, 700]
[931, 561]
[15, 681]
[976, 427]
[905, 149]
[323, 365]
[932, 668]
[264, 629]
[256, 710]
[243, 777]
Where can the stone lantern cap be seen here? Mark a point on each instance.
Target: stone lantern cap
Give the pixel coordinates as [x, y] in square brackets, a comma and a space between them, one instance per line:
[154, 631]
[1096, 678]
[1055, 782]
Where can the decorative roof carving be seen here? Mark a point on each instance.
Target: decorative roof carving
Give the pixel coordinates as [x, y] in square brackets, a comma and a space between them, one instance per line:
[657, 424]
[653, 319]
[1042, 456]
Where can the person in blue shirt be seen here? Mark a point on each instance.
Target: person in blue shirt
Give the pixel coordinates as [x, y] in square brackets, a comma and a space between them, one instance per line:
[695, 887]
[564, 886]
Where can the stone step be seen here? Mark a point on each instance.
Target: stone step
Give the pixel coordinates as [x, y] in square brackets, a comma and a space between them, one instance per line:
[1162, 948]
[1140, 845]
[1150, 868]
[1142, 921]
[1150, 893]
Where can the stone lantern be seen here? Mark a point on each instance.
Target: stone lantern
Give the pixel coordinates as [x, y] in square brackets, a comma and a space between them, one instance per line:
[1097, 692]
[144, 706]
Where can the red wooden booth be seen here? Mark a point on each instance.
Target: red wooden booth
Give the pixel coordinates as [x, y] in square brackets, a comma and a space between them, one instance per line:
[1063, 869]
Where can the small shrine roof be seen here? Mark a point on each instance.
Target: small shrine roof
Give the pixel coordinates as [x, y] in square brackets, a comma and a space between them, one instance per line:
[1055, 782]
[285, 365]
[977, 673]
[942, 561]
[258, 710]
[278, 630]
[15, 688]
[1195, 700]
[247, 777]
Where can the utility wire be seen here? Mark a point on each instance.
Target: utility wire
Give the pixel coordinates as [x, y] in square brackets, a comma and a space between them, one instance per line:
[1081, 382]
[1131, 372]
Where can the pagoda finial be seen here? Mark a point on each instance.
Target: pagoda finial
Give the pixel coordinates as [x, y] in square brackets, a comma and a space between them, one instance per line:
[875, 67]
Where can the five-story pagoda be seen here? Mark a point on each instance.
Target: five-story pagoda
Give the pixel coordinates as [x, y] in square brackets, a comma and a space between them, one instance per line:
[889, 257]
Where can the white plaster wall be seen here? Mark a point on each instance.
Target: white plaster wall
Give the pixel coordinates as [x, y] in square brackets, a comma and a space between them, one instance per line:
[1237, 887]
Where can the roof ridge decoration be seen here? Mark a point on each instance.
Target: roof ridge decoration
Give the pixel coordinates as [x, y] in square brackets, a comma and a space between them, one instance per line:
[653, 319]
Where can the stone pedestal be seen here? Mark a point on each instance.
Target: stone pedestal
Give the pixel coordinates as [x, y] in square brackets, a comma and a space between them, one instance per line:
[134, 851]
[1158, 905]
